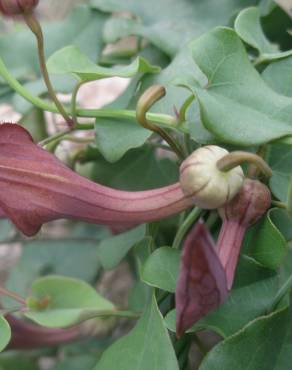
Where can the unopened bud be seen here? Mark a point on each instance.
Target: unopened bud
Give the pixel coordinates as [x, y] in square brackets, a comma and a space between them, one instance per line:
[201, 179]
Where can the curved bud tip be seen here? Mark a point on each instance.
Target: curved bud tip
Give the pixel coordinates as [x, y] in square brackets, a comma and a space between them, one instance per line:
[201, 179]
[17, 7]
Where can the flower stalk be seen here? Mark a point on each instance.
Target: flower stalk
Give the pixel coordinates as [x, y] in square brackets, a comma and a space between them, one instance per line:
[36, 29]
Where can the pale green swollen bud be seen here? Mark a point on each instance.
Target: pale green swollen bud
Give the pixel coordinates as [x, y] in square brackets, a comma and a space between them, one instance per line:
[201, 179]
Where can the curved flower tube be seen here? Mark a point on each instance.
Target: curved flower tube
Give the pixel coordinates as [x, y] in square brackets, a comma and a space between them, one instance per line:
[35, 187]
[29, 336]
[207, 271]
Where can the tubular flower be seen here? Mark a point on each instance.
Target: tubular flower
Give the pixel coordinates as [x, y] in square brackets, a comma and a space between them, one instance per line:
[29, 336]
[35, 187]
[207, 272]
[17, 7]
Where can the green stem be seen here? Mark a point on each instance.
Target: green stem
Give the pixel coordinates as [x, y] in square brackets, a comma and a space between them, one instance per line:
[36, 29]
[279, 204]
[186, 225]
[74, 101]
[163, 119]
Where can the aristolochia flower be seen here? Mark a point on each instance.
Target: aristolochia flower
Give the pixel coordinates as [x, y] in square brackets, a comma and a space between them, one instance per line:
[17, 7]
[35, 187]
[207, 271]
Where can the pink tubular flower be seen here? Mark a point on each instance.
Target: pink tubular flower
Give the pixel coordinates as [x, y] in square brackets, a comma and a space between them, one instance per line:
[26, 335]
[35, 187]
[17, 7]
[207, 272]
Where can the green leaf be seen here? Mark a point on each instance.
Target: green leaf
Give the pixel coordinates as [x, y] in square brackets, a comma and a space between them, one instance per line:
[139, 169]
[278, 76]
[72, 61]
[264, 344]
[248, 27]
[114, 137]
[280, 160]
[5, 333]
[161, 269]
[147, 346]
[112, 250]
[70, 257]
[169, 24]
[71, 301]
[233, 98]
[269, 246]
[252, 281]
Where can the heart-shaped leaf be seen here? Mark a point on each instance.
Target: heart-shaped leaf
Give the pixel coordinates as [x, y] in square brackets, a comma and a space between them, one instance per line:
[278, 75]
[236, 105]
[67, 302]
[147, 346]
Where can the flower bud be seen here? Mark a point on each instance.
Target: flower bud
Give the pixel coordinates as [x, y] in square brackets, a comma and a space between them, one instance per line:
[201, 179]
[17, 7]
[249, 205]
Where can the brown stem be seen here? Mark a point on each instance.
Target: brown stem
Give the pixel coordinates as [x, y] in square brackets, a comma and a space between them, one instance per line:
[35, 27]
[151, 96]
[236, 158]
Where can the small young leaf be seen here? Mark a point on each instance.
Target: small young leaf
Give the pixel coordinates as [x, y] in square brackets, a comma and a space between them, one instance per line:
[72, 61]
[162, 268]
[68, 302]
[146, 347]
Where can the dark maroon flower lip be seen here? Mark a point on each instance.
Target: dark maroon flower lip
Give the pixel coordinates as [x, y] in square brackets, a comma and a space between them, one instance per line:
[202, 284]
[35, 188]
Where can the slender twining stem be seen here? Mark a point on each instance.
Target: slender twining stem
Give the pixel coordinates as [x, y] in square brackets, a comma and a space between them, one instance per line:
[12, 295]
[236, 158]
[186, 225]
[36, 29]
[253, 170]
[74, 101]
[184, 108]
[151, 96]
